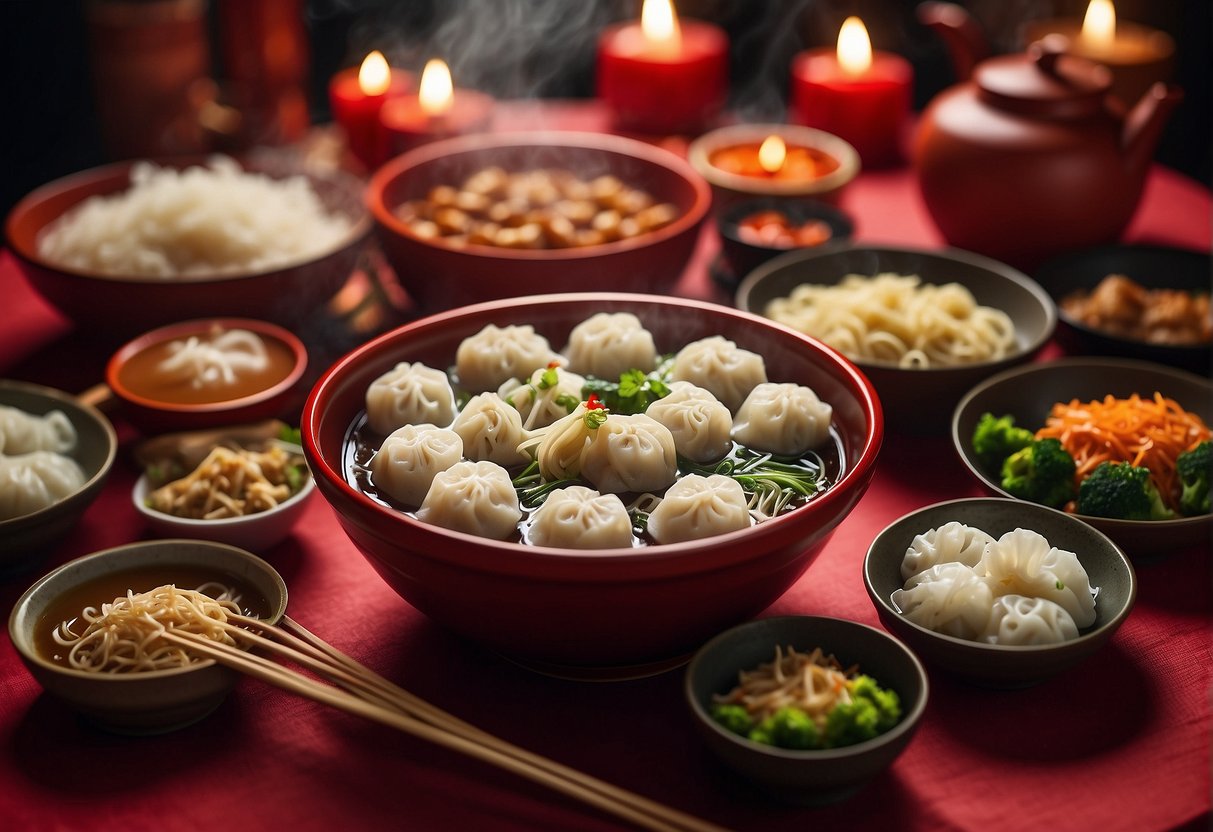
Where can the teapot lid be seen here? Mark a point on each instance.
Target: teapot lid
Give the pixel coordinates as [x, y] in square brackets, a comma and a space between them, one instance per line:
[1045, 81]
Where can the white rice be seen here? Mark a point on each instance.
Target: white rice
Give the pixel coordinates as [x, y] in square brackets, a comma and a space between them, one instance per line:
[205, 220]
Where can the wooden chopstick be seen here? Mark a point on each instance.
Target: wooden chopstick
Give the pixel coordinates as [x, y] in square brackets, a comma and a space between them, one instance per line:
[373, 697]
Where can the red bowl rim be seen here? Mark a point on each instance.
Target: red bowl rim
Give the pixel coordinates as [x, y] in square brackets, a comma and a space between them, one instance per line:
[173, 330]
[507, 557]
[400, 165]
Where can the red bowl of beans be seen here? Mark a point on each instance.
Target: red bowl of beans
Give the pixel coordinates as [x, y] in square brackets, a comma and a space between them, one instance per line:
[484, 217]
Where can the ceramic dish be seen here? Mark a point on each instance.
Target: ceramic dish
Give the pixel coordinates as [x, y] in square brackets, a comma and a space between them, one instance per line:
[150, 702]
[604, 613]
[1000, 665]
[916, 401]
[1028, 393]
[742, 254]
[24, 538]
[815, 776]
[439, 275]
[1154, 267]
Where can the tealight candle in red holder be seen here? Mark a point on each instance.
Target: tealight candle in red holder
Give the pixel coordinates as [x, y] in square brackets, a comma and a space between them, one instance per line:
[663, 75]
[437, 111]
[357, 95]
[857, 94]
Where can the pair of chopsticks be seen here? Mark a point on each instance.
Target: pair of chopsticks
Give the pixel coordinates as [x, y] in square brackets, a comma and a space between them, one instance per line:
[360, 691]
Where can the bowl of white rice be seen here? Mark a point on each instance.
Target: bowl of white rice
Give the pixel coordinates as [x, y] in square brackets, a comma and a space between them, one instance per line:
[138, 244]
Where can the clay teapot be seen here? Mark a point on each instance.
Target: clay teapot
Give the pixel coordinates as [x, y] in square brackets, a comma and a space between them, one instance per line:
[1029, 158]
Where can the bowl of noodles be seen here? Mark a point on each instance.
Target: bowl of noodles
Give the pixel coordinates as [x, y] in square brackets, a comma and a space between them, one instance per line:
[924, 326]
[133, 245]
[77, 632]
[576, 481]
[1117, 411]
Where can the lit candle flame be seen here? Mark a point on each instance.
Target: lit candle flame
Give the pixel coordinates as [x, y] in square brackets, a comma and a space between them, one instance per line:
[436, 93]
[854, 47]
[659, 23]
[374, 76]
[771, 154]
[1099, 25]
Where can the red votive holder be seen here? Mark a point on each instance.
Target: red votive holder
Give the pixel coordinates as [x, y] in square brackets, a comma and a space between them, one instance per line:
[358, 112]
[663, 90]
[405, 124]
[869, 108]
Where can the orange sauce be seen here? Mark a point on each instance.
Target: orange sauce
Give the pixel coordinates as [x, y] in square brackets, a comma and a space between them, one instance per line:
[775, 229]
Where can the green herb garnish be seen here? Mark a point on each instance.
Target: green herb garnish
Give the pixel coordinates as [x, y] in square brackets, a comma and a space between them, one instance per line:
[632, 394]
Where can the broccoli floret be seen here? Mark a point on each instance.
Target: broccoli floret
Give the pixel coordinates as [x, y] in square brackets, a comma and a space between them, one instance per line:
[1121, 491]
[996, 437]
[887, 702]
[735, 718]
[1193, 467]
[787, 728]
[1043, 472]
[852, 722]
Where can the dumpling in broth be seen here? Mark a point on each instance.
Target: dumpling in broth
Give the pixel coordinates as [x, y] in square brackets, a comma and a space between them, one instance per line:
[409, 394]
[949, 598]
[700, 423]
[495, 355]
[952, 542]
[21, 432]
[630, 453]
[1015, 619]
[551, 394]
[785, 419]
[696, 507]
[607, 345]
[31, 482]
[1022, 562]
[720, 366]
[577, 517]
[559, 446]
[473, 497]
[408, 460]
[491, 429]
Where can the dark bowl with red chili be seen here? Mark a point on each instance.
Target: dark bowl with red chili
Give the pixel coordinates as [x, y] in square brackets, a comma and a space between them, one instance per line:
[756, 230]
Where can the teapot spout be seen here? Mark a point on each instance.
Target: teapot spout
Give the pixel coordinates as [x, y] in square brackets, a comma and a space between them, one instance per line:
[1145, 122]
[966, 42]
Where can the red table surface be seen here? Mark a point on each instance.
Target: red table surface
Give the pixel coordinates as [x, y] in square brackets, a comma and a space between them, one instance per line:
[1120, 743]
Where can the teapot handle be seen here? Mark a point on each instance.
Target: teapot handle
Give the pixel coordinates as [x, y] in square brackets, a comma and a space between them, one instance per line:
[1047, 51]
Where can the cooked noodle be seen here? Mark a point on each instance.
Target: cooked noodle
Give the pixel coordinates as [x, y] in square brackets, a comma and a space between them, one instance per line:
[228, 483]
[124, 635]
[898, 319]
[813, 682]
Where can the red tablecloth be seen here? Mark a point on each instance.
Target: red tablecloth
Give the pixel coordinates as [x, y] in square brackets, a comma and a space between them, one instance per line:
[1122, 743]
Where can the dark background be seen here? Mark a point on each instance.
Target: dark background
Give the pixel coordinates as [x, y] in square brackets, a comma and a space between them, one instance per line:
[536, 48]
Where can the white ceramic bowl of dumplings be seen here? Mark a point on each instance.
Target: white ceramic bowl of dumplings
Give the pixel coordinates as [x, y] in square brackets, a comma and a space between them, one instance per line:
[24, 538]
[1001, 665]
[603, 613]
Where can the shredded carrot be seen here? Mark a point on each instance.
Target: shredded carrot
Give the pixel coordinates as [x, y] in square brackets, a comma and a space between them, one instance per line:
[1144, 432]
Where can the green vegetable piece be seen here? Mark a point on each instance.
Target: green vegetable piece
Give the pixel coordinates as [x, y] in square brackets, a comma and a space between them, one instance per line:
[550, 378]
[1121, 491]
[887, 702]
[735, 718]
[762, 732]
[1043, 472]
[793, 728]
[292, 435]
[1193, 467]
[996, 438]
[852, 722]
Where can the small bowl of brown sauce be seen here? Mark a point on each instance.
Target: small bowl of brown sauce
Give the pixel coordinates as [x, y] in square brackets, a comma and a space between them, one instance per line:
[207, 373]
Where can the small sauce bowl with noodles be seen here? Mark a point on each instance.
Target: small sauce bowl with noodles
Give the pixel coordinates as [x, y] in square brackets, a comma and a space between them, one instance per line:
[82, 630]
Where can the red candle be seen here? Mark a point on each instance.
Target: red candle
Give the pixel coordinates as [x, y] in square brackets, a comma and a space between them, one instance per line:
[437, 111]
[663, 75]
[856, 94]
[357, 95]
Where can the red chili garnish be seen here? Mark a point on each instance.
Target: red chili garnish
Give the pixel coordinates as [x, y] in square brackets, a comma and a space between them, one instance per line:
[592, 403]
[553, 365]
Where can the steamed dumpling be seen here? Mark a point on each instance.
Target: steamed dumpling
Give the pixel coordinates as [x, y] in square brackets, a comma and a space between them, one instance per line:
[630, 453]
[558, 447]
[696, 507]
[1015, 619]
[949, 598]
[30, 482]
[700, 423]
[473, 497]
[408, 460]
[550, 394]
[607, 345]
[577, 517]
[495, 355]
[491, 429]
[720, 366]
[952, 542]
[786, 419]
[22, 433]
[1022, 562]
[409, 394]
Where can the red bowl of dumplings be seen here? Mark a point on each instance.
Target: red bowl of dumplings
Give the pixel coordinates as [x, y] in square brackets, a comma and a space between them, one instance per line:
[590, 613]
